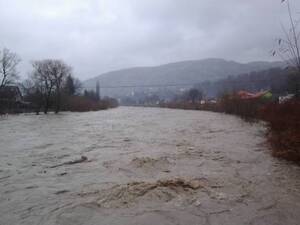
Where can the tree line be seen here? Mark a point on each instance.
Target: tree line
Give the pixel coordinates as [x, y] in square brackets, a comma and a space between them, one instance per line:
[50, 85]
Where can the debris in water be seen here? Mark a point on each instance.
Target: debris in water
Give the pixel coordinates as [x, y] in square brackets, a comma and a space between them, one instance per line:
[81, 160]
[61, 192]
[32, 187]
[62, 174]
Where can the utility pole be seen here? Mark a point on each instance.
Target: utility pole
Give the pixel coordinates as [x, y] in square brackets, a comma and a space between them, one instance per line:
[98, 90]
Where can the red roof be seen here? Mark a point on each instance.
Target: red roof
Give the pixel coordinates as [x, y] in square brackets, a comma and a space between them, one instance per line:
[249, 95]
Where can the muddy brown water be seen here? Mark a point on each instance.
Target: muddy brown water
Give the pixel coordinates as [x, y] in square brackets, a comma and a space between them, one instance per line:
[145, 166]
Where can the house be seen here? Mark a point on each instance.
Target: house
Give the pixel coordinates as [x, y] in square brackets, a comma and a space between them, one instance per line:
[10, 99]
[283, 99]
[10, 94]
[258, 95]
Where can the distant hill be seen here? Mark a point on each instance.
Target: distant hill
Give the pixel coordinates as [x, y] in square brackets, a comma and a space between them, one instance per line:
[277, 80]
[185, 72]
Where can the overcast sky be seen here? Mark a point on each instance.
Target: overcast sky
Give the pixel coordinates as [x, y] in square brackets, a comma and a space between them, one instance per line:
[96, 36]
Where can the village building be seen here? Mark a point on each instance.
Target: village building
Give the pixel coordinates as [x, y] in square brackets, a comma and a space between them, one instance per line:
[10, 99]
[259, 95]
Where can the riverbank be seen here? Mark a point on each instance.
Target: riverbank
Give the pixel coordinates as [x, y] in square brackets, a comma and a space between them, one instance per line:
[70, 104]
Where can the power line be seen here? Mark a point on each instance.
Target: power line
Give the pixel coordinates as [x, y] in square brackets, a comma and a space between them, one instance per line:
[222, 82]
[144, 86]
[229, 80]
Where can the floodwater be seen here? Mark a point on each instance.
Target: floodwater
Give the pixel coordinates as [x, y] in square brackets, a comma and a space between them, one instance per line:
[144, 166]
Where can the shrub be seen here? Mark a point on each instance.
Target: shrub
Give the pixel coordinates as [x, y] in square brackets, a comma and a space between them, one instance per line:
[284, 129]
[83, 104]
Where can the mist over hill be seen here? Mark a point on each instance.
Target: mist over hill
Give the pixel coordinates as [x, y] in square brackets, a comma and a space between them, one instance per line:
[182, 74]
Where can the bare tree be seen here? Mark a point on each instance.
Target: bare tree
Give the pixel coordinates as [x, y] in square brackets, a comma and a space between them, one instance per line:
[195, 95]
[43, 81]
[98, 90]
[8, 64]
[289, 46]
[60, 71]
[78, 86]
[49, 76]
[72, 85]
[32, 93]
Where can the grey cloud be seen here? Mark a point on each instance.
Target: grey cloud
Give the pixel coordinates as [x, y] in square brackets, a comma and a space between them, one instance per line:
[98, 36]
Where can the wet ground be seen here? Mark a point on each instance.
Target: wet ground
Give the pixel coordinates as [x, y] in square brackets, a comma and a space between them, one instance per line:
[142, 166]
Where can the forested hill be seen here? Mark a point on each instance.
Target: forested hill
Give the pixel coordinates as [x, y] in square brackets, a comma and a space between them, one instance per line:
[183, 72]
[277, 80]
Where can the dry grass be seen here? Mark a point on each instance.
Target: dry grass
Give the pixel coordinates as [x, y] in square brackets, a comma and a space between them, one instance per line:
[284, 129]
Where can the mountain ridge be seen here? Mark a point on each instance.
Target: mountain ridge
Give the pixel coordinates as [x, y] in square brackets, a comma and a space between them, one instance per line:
[181, 72]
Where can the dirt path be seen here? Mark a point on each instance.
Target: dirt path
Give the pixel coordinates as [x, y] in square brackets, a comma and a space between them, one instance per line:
[140, 166]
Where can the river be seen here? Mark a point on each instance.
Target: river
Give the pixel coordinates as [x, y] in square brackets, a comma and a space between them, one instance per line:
[143, 166]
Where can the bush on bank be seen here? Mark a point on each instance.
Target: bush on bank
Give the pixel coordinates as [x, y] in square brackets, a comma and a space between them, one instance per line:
[284, 129]
[83, 104]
